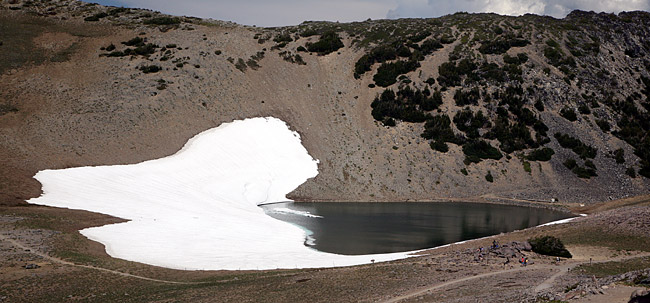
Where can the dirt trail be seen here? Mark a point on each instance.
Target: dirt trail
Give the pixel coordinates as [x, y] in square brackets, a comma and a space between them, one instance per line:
[61, 261]
[562, 269]
[422, 291]
[566, 267]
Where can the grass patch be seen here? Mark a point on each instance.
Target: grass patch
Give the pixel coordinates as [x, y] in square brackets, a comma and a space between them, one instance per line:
[19, 32]
[598, 236]
[615, 267]
[65, 54]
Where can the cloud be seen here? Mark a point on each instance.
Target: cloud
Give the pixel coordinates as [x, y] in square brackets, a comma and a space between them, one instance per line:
[267, 12]
[555, 8]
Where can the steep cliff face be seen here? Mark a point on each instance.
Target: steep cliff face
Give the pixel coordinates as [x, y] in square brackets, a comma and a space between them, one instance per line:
[389, 107]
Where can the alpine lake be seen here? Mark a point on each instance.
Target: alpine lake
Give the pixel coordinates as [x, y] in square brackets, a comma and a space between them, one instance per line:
[353, 228]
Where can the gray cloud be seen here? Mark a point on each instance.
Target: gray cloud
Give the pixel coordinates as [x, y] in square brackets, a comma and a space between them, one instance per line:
[555, 8]
[269, 12]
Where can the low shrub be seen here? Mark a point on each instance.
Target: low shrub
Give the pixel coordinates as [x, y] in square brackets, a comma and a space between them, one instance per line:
[477, 150]
[542, 154]
[387, 73]
[619, 156]
[450, 73]
[569, 114]
[489, 177]
[163, 21]
[329, 42]
[468, 122]
[501, 44]
[147, 69]
[517, 60]
[630, 172]
[137, 41]
[241, 65]
[96, 17]
[604, 125]
[549, 246]
[469, 97]
[438, 129]
[581, 149]
[284, 37]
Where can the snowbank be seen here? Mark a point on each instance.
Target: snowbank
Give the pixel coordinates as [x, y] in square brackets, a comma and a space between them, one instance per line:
[197, 209]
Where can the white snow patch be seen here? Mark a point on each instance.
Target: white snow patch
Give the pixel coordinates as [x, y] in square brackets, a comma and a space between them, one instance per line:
[567, 220]
[284, 210]
[197, 209]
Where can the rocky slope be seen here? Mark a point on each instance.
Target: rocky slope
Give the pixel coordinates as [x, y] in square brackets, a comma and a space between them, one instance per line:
[83, 84]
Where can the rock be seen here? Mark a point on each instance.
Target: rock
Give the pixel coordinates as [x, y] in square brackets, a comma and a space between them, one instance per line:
[525, 246]
[640, 296]
[32, 266]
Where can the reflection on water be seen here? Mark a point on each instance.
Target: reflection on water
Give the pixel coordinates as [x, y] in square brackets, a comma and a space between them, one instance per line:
[369, 228]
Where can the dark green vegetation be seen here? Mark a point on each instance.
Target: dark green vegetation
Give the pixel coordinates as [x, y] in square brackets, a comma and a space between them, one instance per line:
[387, 73]
[6, 108]
[550, 246]
[586, 172]
[138, 47]
[491, 73]
[96, 17]
[502, 44]
[568, 114]
[542, 154]
[477, 150]
[489, 177]
[163, 21]
[582, 150]
[329, 42]
[405, 105]
[438, 130]
[147, 69]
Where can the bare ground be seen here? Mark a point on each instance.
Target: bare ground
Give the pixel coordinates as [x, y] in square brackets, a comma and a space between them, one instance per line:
[72, 267]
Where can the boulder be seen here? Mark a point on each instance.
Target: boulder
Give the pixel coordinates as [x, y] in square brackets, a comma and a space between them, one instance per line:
[640, 296]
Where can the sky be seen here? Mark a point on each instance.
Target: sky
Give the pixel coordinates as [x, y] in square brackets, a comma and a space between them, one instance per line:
[291, 12]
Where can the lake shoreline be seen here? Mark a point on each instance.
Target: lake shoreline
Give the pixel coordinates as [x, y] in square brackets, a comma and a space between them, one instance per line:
[559, 206]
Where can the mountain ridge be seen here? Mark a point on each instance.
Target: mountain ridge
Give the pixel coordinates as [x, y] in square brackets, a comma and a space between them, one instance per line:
[134, 85]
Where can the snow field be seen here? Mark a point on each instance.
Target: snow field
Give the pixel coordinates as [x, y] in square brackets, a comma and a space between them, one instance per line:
[197, 209]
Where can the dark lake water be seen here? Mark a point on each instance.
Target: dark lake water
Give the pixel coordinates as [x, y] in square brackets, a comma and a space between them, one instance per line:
[370, 228]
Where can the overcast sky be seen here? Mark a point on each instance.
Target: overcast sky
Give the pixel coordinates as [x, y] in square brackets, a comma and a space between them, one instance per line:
[291, 12]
